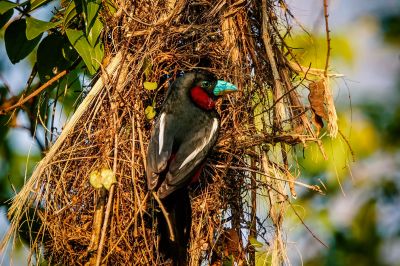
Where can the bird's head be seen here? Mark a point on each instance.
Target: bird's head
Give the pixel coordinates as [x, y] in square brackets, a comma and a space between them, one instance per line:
[211, 85]
[205, 88]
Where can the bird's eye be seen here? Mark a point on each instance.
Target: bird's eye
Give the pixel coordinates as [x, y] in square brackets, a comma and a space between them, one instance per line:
[205, 84]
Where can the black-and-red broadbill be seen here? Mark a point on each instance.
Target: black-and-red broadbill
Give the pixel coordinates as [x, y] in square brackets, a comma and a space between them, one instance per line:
[183, 134]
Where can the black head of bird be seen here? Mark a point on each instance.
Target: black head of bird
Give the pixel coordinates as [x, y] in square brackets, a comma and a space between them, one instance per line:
[208, 90]
[183, 134]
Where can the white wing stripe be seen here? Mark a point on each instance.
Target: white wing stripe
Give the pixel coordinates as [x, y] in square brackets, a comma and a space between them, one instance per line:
[198, 149]
[161, 134]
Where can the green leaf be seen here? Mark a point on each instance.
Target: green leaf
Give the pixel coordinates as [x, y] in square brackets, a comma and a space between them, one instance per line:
[111, 6]
[69, 53]
[91, 10]
[105, 178]
[95, 179]
[150, 112]
[50, 59]
[5, 17]
[34, 27]
[70, 13]
[71, 89]
[94, 32]
[255, 243]
[108, 178]
[6, 5]
[92, 56]
[37, 3]
[147, 67]
[17, 45]
[150, 86]
[228, 261]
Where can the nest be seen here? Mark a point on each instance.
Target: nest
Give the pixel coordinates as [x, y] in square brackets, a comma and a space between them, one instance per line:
[71, 223]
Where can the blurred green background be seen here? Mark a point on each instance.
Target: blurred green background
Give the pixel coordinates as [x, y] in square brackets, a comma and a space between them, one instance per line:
[359, 217]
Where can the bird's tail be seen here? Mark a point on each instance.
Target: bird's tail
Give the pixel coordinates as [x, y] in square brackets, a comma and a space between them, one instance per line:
[180, 217]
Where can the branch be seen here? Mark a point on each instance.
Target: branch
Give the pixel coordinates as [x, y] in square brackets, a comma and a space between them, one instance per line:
[253, 214]
[286, 198]
[110, 195]
[166, 215]
[328, 37]
[278, 87]
[22, 100]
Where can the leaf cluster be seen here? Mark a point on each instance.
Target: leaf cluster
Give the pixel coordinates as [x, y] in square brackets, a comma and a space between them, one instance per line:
[73, 34]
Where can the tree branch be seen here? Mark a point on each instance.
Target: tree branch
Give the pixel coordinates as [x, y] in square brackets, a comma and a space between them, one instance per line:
[22, 100]
[328, 37]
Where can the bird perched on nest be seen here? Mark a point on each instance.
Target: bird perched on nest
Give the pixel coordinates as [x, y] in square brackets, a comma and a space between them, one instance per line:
[183, 134]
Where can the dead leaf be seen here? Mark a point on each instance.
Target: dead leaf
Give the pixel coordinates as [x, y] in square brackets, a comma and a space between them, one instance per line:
[317, 102]
[318, 122]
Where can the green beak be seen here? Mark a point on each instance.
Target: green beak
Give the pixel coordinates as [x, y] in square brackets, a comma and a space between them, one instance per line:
[223, 88]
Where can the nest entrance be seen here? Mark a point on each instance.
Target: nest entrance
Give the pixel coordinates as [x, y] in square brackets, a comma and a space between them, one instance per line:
[248, 170]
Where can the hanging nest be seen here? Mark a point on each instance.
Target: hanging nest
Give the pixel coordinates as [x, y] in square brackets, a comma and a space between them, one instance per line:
[246, 184]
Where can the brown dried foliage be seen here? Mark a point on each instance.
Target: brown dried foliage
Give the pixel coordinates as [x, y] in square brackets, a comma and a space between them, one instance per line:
[239, 42]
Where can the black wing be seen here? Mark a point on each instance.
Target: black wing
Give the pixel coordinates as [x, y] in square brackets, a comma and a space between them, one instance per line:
[192, 151]
[159, 149]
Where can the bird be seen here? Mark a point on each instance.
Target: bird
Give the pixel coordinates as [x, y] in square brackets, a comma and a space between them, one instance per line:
[184, 133]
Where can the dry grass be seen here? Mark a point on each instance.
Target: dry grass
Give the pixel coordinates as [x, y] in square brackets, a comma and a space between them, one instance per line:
[239, 42]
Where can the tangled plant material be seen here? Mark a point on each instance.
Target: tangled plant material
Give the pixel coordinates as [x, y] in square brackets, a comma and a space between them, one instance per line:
[152, 41]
